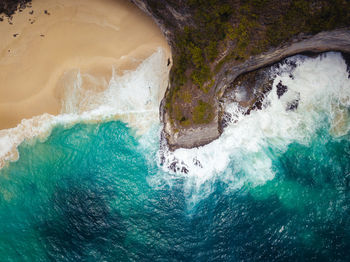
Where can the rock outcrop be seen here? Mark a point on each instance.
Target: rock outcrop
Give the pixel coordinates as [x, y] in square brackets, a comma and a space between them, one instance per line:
[213, 42]
[336, 40]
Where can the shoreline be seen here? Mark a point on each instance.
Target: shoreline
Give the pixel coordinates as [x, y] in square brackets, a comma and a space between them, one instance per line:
[251, 37]
[63, 38]
[69, 61]
[126, 99]
[337, 40]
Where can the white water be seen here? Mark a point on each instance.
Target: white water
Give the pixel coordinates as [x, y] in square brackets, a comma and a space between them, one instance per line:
[133, 97]
[243, 154]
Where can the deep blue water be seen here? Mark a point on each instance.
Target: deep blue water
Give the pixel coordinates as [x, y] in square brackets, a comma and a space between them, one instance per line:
[84, 195]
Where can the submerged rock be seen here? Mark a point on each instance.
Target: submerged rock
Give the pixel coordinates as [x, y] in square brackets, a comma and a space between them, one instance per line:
[281, 89]
[291, 106]
[346, 57]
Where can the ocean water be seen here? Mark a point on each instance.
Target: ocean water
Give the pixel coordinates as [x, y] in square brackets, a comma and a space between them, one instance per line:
[274, 187]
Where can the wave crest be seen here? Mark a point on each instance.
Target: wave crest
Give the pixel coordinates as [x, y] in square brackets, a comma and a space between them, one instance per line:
[132, 97]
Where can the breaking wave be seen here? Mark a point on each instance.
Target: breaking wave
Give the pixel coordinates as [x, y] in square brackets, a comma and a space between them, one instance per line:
[133, 97]
[317, 93]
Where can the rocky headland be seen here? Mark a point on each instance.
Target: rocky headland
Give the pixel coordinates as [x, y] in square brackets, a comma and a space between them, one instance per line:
[217, 43]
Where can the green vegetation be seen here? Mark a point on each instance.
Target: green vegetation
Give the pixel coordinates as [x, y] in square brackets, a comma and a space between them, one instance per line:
[203, 113]
[245, 28]
[308, 17]
[198, 46]
[281, 23]
[186, 97]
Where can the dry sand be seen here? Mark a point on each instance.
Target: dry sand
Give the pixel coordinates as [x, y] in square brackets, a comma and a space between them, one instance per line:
[87, 35]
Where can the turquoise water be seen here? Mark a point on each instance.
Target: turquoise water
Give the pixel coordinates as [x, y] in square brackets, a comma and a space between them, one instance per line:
[84, 194]
[274, 187]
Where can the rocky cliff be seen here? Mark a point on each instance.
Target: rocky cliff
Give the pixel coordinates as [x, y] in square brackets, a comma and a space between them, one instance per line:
[215, 41]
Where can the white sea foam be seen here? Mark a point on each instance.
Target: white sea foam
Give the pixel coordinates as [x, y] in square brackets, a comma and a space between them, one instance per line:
[245, 151]
[243, 154]
[133, 97]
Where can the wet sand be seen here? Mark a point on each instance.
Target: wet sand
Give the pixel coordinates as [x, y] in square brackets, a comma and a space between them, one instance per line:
[40, 50]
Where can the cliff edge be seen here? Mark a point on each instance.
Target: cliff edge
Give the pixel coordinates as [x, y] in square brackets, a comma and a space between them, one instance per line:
[215, 41]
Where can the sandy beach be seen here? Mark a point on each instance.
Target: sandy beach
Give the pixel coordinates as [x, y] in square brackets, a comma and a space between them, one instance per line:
[45, 45]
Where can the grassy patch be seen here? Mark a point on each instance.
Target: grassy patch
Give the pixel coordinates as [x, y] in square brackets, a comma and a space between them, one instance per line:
[197, 46]
[308, 17]
[203, 113]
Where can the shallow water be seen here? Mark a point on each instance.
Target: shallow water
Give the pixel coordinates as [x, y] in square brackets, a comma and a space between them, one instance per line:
[97, 192]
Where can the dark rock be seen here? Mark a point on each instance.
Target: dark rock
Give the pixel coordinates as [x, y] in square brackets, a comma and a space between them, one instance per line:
[184, 170]
[258, 105]
[31, 12]
[281, 89]
[15, 35]
[249, 88]
[249, 91]
[196, 162]
[292, 106]
[162, 160]
[226, 120]
[346, 57]
[173, 166]
[289, 63]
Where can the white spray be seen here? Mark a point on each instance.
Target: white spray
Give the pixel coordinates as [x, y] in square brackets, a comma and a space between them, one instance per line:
[319, 86]
[133, 97]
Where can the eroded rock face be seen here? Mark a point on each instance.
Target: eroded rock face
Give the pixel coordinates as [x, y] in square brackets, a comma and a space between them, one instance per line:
[248, 89]
[249, 92]
[177, 19]
[204, 69]
[336, 40]
[194, 137]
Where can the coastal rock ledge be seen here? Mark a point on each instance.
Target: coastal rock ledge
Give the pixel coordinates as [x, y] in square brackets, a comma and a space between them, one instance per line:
[213, 42]
[336, 40]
